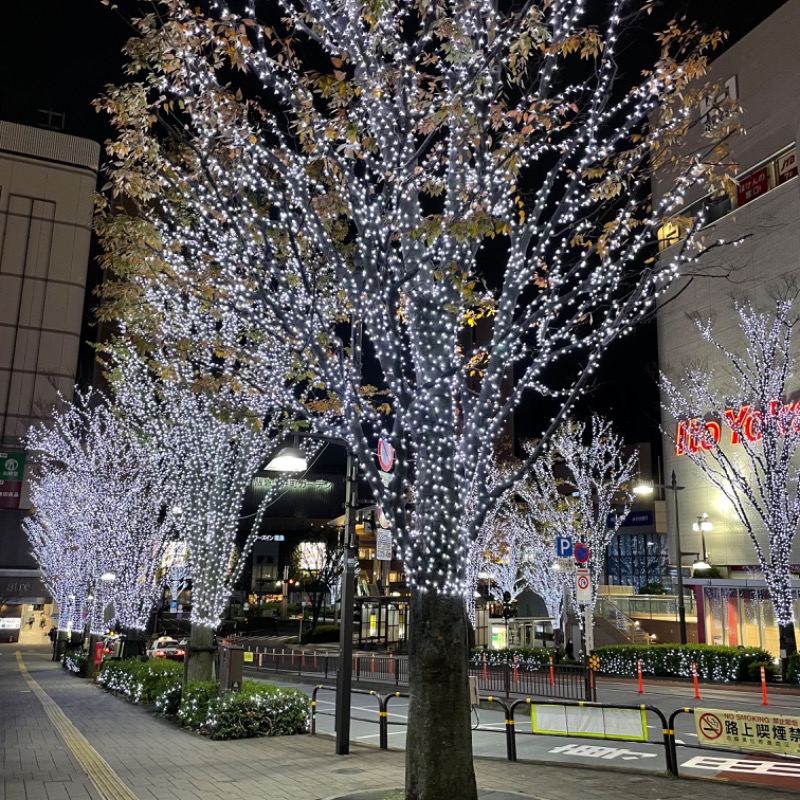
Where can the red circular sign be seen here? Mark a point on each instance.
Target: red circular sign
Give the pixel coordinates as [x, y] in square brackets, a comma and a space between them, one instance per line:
[711, 726]
[582, 581]
[385, 454]
[582, 553]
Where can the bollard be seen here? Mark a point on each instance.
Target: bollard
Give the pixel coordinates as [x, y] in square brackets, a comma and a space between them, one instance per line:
[485, 676]
[764, 701]
[696, 685]
[639, 675]
[372, 665]
[303, 660]
[516, 672]
[552, 673]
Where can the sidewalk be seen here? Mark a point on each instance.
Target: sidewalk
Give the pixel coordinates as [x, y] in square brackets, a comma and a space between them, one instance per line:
[150, 759]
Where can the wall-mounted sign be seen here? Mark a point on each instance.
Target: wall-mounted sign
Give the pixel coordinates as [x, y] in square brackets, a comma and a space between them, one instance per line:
[12, 468]
[787, 166]
[10, 623]
[745, 422]
[752, 186]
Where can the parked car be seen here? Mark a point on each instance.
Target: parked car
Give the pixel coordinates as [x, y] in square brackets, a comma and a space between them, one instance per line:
[166, 647]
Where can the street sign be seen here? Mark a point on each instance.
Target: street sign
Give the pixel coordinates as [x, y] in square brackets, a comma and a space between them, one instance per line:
[581, 553]
[385, 454]
[383, 546]
[583, 584]
[563, 546]
[382, 521]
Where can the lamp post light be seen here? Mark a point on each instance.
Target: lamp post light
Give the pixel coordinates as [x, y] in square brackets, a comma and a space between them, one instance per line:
[644, 488]
[292, 459]
[701, 526]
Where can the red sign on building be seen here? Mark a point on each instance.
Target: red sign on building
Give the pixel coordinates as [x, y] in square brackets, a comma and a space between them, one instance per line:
[754, 185]
[787, 166]
[10, 492]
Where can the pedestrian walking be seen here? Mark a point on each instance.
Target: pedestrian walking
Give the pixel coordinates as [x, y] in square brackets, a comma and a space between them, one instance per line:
[42, 622]
[275, 618]
[570, 650]
[31, 620]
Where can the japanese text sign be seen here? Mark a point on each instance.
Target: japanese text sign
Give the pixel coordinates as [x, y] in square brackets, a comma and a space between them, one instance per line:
[746, 730]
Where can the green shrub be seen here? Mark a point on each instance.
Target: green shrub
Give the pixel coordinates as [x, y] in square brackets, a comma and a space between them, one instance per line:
[793, 668]
[76, 661]
[196, 699]
[322, 633]
[754, 671]
[140, 681]
[652, 588]
[714, 662]
[258, 711]
[169, 701]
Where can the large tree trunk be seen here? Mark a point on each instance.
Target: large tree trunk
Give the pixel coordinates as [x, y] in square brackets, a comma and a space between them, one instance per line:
[788, 645]
[200, 655]
[439, 741]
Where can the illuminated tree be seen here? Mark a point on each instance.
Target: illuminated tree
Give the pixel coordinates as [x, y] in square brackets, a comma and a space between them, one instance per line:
[214, 435]
[344, 163]
[739, 426]
[97, 495]
[587, 463]
[319, 562]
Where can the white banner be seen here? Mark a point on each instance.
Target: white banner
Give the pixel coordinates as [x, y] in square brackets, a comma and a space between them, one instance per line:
[629, 724]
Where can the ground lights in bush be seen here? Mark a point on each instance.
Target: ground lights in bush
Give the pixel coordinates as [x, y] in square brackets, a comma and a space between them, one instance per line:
[260, 709]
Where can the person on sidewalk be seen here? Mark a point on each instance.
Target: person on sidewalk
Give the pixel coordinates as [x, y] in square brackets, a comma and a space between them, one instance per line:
[275, 617]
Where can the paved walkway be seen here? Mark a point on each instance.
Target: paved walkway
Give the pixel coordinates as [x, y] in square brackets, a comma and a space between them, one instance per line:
[65, 739]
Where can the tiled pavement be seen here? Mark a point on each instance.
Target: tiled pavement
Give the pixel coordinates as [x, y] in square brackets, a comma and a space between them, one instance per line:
[158, 761]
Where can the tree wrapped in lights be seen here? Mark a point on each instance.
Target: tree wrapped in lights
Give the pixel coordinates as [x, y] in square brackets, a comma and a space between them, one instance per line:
[387, 146]
[589, 463]
[215, 436]
[97, 493]
[739, 426]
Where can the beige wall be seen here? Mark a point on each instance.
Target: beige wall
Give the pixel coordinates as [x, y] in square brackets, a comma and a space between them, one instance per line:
[46, 185]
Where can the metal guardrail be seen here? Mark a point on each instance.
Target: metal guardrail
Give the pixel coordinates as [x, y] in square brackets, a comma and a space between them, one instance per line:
[667, 740]
[565, 681]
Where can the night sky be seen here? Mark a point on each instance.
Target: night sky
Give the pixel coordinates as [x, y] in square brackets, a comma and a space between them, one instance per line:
[58, 55]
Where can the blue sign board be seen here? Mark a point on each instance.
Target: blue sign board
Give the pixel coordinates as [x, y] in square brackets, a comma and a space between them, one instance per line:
[564, 546]
[581, 553]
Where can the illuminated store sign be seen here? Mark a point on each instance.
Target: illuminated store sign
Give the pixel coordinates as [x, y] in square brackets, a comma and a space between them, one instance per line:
[745, 422]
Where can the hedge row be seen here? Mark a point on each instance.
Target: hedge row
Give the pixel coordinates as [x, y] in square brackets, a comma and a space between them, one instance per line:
[528, 659]
[258, 710]
[714, 662]
[793, 669]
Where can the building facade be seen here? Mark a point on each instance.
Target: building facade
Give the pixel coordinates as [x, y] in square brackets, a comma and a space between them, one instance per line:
[46, 185]
[761, 214]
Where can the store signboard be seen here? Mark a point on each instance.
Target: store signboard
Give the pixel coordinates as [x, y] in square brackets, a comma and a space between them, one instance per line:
[748, 730]
[754, 185]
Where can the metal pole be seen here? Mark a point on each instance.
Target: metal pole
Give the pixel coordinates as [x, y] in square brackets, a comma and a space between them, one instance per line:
[681, 606]
[345, 674]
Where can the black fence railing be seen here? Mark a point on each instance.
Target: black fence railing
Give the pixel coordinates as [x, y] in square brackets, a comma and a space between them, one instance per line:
[562, 681]
[661, 734]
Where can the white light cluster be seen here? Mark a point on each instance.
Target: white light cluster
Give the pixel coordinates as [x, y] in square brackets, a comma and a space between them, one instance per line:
[365, 191]
[760, 475]
[96, 530]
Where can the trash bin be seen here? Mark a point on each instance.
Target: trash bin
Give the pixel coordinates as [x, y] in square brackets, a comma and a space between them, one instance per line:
[231, 668]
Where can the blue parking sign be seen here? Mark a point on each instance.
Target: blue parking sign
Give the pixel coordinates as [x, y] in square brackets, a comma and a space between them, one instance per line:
[564, 546]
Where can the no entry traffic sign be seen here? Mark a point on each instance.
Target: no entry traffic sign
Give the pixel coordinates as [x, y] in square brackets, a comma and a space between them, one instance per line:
[385, 454]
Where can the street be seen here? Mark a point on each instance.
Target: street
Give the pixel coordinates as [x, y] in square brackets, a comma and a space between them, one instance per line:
[489, 738]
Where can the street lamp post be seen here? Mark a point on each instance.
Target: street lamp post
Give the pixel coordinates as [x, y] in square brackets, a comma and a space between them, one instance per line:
[674, 488]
